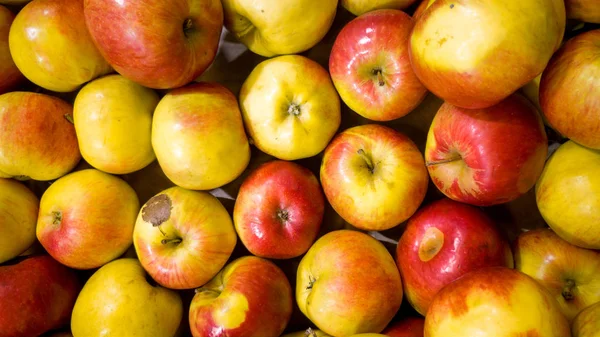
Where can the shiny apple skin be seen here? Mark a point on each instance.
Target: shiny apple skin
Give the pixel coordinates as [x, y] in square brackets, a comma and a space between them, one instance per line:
[250, 297]
[495, 154]
[370, 66]
[18, 215]
[466, 240]
[570, 89]
[570, 273]
[587, 323]
[145, 40]
[278, 210]
[10, 76]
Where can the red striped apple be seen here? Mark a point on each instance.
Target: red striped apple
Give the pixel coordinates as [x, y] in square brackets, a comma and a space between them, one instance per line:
[486, 156]
[407, 327]
[10, 76]
[18, 215]
[359, 7]
[587, 323]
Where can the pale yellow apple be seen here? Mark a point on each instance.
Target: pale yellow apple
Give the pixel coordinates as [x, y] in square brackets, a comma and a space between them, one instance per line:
[587, 323]
[18, 218]
[117, 300]
[271, 28]
[113, 121]
[290, 107]
[358, 7]
[568, 194]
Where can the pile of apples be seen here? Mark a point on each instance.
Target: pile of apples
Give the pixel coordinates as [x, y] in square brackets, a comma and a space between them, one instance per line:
[259, 168]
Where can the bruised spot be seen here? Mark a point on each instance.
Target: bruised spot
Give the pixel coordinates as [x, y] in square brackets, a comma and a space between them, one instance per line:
[451, 6]
[529, 333]
[442, 41]
[157, 210]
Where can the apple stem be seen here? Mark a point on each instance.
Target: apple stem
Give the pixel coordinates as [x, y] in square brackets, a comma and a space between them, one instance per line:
[367, 160]
[449, 160]
[167, 241]
[311, 282]
[567, 292]
[379, 75]
[69, 118]
[310, 333]
[188, 25]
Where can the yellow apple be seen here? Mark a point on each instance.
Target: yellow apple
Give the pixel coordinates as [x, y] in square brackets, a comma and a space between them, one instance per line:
[568, 194]
[117, 300]
[113, 121]
[359, 7]
[290, 107]
[587, 323]
[18, 217]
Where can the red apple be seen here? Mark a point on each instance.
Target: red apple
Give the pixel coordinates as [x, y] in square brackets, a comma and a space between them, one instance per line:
[443, 241]
[279, 210]
[158, 44]
[37, 294]
[250, 297]
[370, 66]
[570, 89]
[486, 156]
[407, 327]
[10, 76]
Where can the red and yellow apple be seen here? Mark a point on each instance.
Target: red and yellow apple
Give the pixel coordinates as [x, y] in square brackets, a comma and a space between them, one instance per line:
[583, 10]
[10, 76]
[407, 327]
[359, 7]
[18, 216]
[587, 323]
[423, 5]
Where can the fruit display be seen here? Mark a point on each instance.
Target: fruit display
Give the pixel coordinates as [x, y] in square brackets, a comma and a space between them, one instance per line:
[298, 168]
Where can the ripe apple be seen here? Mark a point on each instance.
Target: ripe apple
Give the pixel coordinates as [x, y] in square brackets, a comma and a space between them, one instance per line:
[486, 156]
[583, 10]
[570, 89]
[250, 297]
[348, 283]
[37, 294]
[10, 76]
[370, 66]
[587, 323]
[495, 302]
[36, 139]
[570, 273]
[51, 46]
[290, 106]
[373, 176]
[443, 241]
[270, 28]
[119, 300]
[407, 327]
[113, 121]
[198, 136]
[474, 54]
[307, 333]
[183, 238]
[423, 5]
[278, 210]
[359, 7]
[86, 218]
[18, 216]
[567, 194]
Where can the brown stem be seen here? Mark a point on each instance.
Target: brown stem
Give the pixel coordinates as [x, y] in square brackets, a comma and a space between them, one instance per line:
[367, 160]
[310, 333]
[167, 241]
[445, 161]
[379, 75]
[69, 117]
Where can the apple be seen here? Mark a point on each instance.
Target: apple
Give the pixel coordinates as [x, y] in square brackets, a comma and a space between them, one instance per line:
[475, 54]
[373, 176]
[113, 122]
[370, 66]
[250, 297]
[583, 10]
[423, 5]
[495, 302]
[570, 273]
[290, 107]
[443, 241]
[86, 218]
[570, 89]
[10, 76]
[307, 333]
[587, 323]
[51, 46]
[166, 44]
[36, 139]
[183, 238]
[568, 194]
[198, 136]
[407, 327]
[486, 156]
[270, 28]
[18, 216]
[118, 300]
[359, 7]
[347, 283]
[37, 294]
[278, 210]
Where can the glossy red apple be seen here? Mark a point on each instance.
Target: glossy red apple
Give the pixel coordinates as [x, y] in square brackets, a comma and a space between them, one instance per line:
[370, 66]
[486, 156]
[157, 44]
[278, 210]
[407, 327]
[10, 76]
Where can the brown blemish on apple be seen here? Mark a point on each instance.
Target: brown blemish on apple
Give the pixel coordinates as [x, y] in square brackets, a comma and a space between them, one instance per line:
[431, 244]
[157, 210]
[529, 333]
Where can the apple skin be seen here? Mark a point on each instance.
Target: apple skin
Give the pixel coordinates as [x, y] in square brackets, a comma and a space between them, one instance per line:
[570, 273]
[587, 322]
[568, 194]
[250, 297]
[10, 75]
[198, 136]
[479, 70]
[357, 171]
[113, 122]
[60, 56]
[370, 66]
[307, 333]
[570, 89]
[407, 327]
[118, 300]
[423, 5]
[18, 215]
[347, 283]
[443, 241]
[86, 218]
[183, 238]
[290, 107]
[583, 10]
[486, 156]
[278, 210]
[36, 140]
[495, 302]
[37, 294]
[360, 7]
